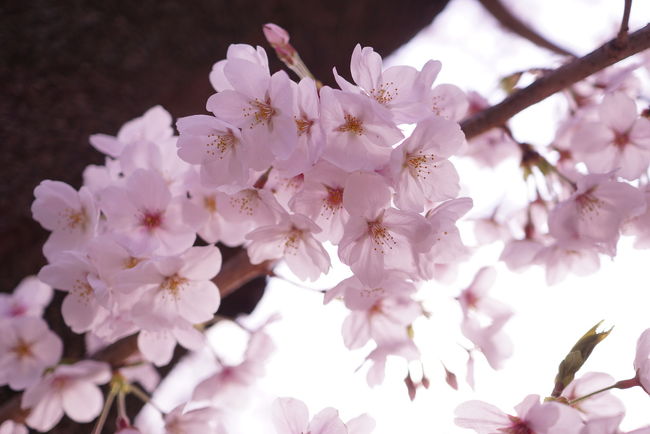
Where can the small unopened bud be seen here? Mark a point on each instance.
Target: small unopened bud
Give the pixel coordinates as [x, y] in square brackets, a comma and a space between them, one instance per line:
[450, 378]
[410, 386]
[279, 40]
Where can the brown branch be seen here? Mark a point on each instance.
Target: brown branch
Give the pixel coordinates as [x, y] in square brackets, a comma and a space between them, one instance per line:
[558, 79]
[518, 27]
[622, 37]
[234, 274]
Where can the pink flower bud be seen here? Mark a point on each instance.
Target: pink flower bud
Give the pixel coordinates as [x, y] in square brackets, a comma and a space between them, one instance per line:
[279, 40]
[275, 34]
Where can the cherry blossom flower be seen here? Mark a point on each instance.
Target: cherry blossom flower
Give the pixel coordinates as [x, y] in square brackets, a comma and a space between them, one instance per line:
[27, 348]
[601, 405]
[196, 421]
[405, 349]
[321, 199]
[226, 385]
[145, 211]
[621, 140]
[595, 212]
[423, 175]
[292, 240]
[255, 55]
[642, 360]
[376, 238]
[154, 126]
[217, 147]
[74, 273]
[401, 89]
[474, 298]
[357, 136]
[532, 417]
[291, 416]
[28, 299]
[183, 291]
[447, 248]
[262, 106]
[68, 388]
[311, 140]
[11, 427]
[71, 216]
[358, 296]
[385, 322]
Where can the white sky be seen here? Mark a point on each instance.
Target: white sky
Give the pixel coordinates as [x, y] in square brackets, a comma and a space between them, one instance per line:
[311, 362]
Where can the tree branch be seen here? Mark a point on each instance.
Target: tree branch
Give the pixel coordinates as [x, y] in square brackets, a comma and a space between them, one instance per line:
[559, 79]
[234, 274]
[518, 27]
[622, 37]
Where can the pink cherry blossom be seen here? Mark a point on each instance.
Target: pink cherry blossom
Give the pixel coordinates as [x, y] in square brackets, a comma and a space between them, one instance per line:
[449, 102]
[68, 388]
[621, 140]
[145, 212]
[71, 216]
[357, 136]
[598, 406]
[11, 427]
[532, 417]
[27, 348]
[255, 55]
[183, 291]
[358, 296]
[376, 238]
[405, 349]
[642, 360]
[197, 421]
[401, 89]
[74, 273]
[291, 416]
[321, 199]
[262, 106]
[385, 321]
[447, 247]
[28, 299]
[311, 140]
[217, 147]
[595, 212]
[292, 240]
[474, 298]
[420, 167]
[154, 126]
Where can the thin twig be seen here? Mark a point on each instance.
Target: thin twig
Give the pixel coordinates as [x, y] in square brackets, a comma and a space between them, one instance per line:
[558, 79]
[622, 37]
[518, 27]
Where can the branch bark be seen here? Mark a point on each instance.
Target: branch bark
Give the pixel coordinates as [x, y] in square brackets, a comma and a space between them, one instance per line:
[559, 79]
[518, 27]
[233, 275]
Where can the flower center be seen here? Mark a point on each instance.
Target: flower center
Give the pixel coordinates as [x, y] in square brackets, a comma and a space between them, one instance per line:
[418, 165]
[151, 220]
[384, 94]
[210, 203]
[220, 144]
[262, 112]
[518, 427]
[173, 285]
[352, 124]
[22, 349]
[621, 139]
[381, 237]
[304, 126]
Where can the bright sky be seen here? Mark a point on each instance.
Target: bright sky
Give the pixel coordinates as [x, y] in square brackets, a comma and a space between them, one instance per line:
[311, 362]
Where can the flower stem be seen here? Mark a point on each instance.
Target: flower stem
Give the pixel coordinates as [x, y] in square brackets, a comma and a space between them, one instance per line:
[107, 406]
[623, 384]
[143, 396]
